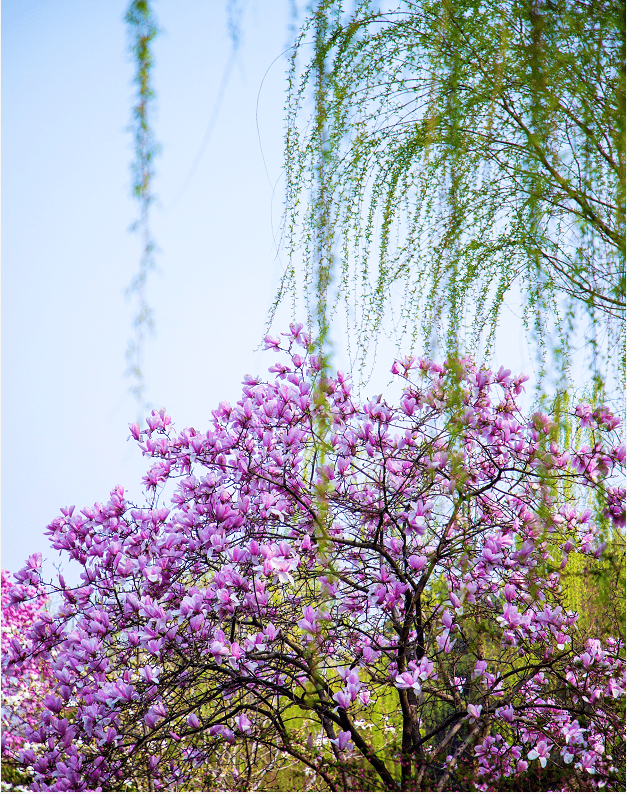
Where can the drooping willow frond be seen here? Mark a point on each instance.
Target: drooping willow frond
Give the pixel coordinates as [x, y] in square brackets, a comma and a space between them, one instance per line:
[470, 147]
[143, 28]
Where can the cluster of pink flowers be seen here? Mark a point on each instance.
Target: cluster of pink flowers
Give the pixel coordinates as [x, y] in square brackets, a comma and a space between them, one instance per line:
[23, 693]
[311, 556]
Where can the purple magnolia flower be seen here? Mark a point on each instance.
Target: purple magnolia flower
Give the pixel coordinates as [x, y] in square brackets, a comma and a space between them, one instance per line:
[149, 674]
[243, 723]
[343, 740]
[409, 680]
[343, 699]
[193, 721]
[474, 712]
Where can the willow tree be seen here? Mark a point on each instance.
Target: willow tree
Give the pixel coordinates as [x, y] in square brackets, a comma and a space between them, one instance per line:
[467, 148]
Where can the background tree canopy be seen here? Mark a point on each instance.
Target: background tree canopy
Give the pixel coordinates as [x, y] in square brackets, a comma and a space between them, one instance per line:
[452, 151]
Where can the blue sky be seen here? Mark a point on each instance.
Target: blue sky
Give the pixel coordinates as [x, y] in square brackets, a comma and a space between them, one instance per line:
[68, 255]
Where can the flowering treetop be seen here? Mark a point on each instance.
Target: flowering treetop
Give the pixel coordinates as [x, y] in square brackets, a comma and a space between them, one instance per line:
[316, 556]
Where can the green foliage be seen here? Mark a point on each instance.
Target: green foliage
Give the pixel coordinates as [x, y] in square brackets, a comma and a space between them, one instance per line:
[596, 590]
[452, 150]
[14, 779]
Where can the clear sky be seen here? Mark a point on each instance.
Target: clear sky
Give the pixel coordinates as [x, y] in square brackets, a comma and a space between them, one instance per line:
[68, 255]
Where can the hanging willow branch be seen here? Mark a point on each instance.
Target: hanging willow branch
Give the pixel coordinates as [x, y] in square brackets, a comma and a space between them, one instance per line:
[471, 146]
[143, 29]
[323, 266]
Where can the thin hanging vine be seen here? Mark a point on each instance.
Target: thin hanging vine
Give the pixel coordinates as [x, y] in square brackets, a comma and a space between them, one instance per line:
[143, 29]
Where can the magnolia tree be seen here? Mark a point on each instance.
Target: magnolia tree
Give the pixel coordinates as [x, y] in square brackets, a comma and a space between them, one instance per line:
[367, 595]
[23, 692]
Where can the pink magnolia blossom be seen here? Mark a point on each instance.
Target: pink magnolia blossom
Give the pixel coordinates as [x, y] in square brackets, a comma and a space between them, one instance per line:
[243, 723]
[541, 751]
[343, 741]
[409, 680]
[193, 721]
[474, 712]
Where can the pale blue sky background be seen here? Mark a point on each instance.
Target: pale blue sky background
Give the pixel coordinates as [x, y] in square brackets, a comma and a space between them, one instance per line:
[68, 256]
